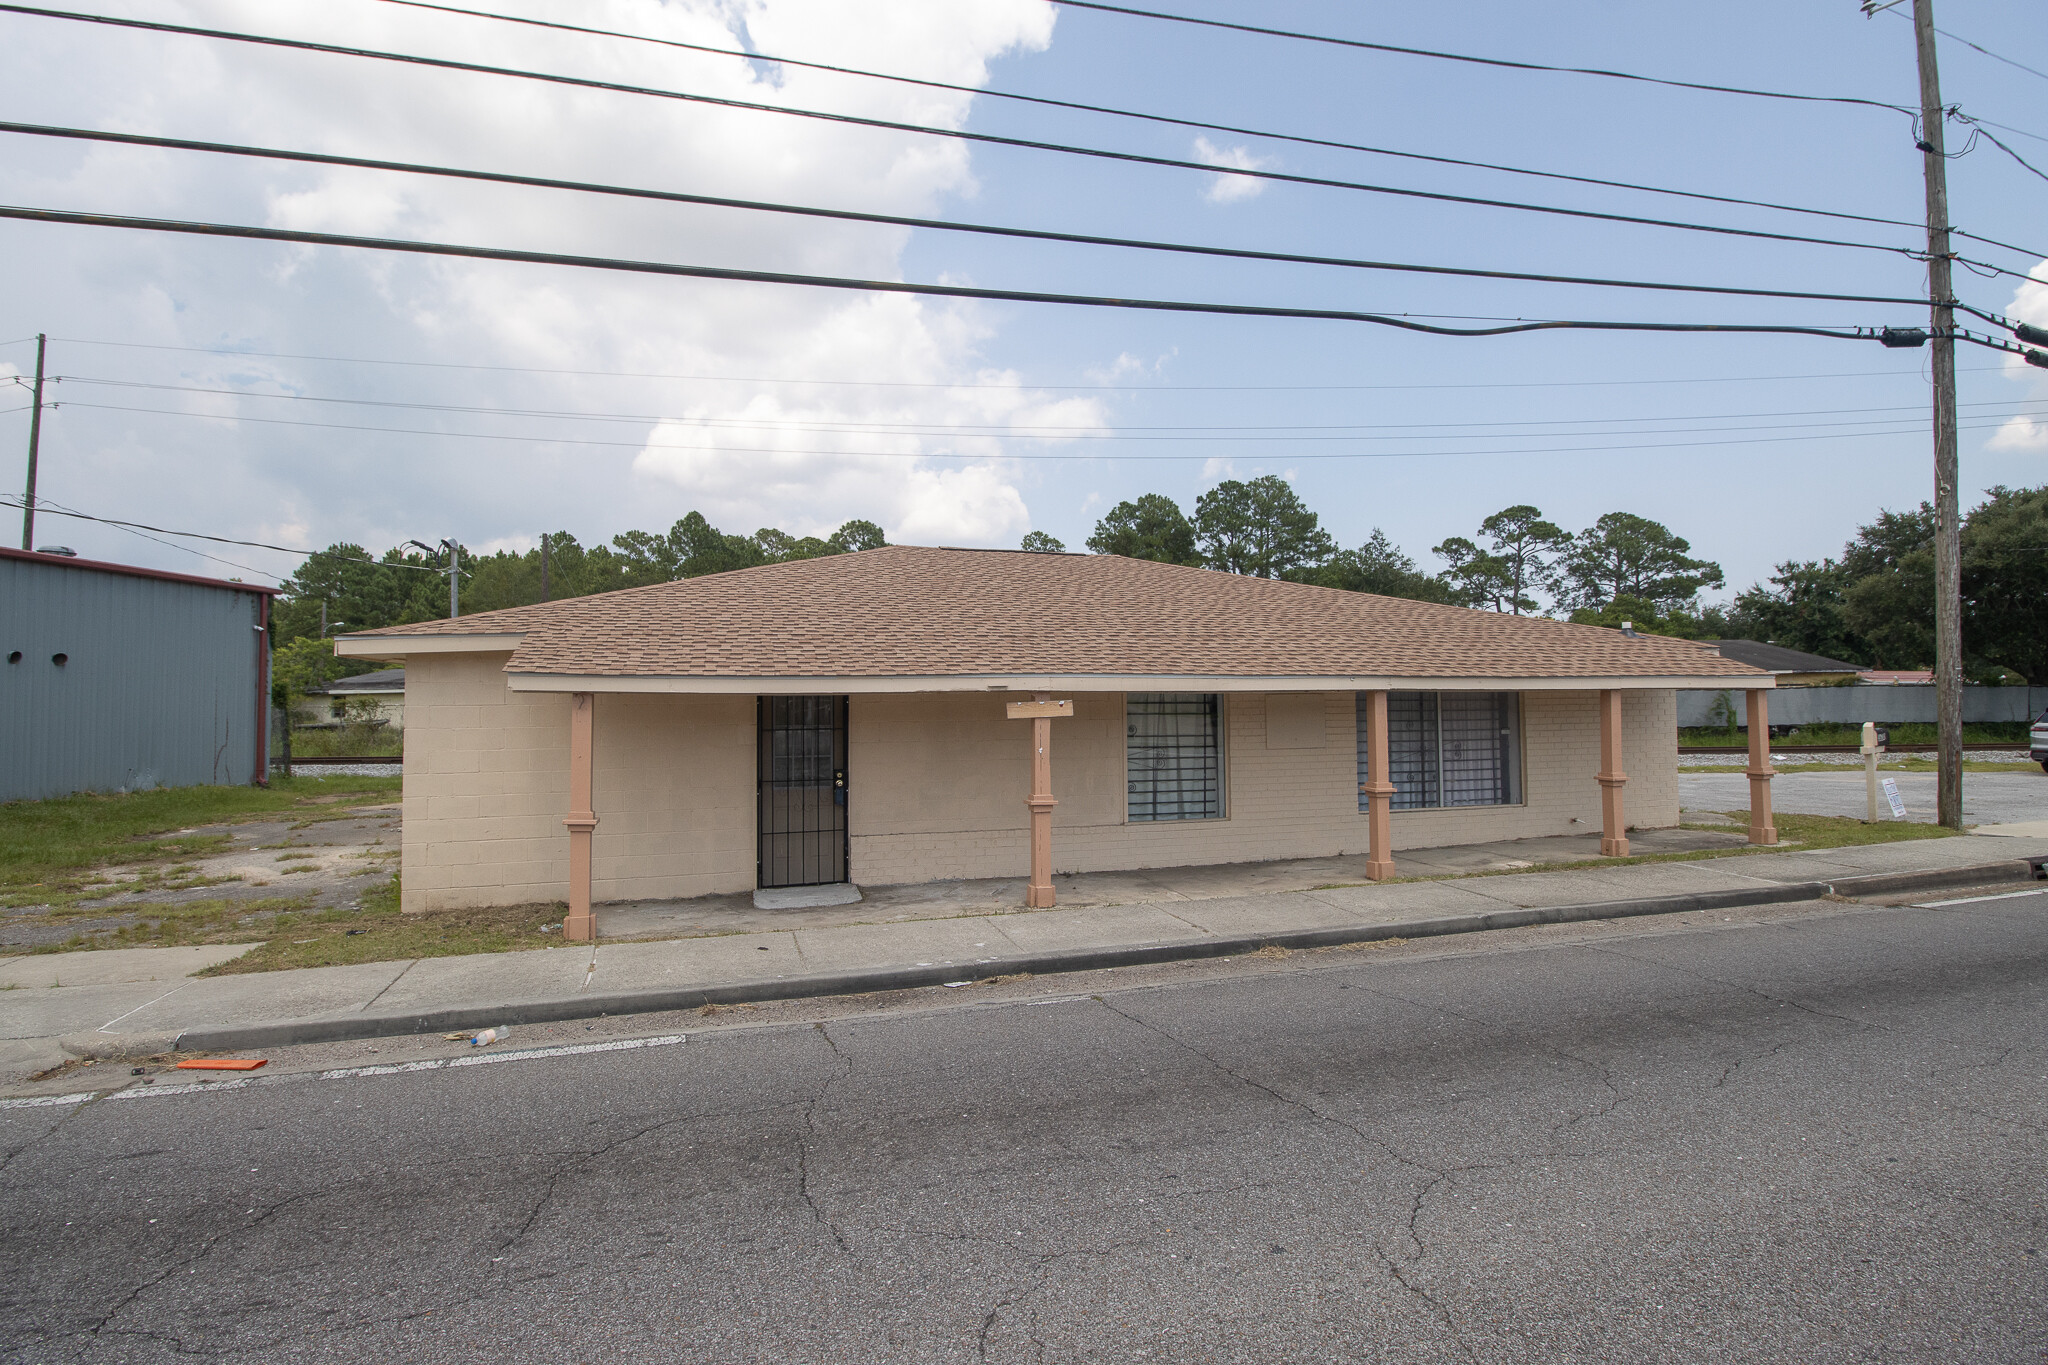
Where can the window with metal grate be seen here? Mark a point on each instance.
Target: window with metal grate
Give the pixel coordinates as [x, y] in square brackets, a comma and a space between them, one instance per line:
[1173, 755]
[1448, 749]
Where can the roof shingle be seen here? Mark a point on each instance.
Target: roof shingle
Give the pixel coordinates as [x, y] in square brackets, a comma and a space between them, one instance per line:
[913, 611]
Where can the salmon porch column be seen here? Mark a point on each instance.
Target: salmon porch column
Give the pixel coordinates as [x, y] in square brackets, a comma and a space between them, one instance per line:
[581, 923]
[1379, 791]
[1041, 711]
[1761, 830]
[1613, 822]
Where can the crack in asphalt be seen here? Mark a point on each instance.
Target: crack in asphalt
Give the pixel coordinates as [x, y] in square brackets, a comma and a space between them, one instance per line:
[1396, 1269]
[205, 1250]
[70, 1112]
[810, 1132]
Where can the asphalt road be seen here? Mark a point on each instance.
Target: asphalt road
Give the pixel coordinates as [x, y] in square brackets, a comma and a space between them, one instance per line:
[1988, 798]
[1816, 1137]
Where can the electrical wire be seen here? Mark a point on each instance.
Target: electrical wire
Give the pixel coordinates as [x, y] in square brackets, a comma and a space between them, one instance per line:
[1501, 62]
[1040, 456]
[44, 505]
[937, 384]
[1026, 430]
[1977, 130]
[930, 224]
[1112, 111]
[991, 139]
[950, 291]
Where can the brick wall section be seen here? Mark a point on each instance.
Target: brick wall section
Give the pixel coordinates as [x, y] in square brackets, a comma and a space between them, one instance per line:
[487, 784]
[937, 785]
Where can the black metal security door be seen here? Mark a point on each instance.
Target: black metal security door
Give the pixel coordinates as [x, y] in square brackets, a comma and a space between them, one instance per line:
[802, 785]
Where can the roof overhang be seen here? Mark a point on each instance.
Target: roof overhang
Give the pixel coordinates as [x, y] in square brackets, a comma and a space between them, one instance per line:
[1104, 682]
[399, 646]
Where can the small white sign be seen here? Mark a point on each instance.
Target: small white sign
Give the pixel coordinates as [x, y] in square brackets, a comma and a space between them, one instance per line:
[1891, 794]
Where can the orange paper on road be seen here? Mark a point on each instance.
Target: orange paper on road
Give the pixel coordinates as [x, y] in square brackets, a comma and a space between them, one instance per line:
[222, 1063]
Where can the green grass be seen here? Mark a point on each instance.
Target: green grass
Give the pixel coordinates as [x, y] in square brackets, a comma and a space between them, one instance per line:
[378, 932]
[52, 851]
[2002, 732]
[349, 741]
[1889, 765]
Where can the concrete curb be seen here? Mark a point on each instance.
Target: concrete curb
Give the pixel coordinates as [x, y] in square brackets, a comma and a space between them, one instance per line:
[292, 1032]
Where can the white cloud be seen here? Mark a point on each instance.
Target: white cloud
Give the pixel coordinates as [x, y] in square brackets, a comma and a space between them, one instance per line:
[1229, 189]
[2029, 304]
[898, 361]
[2019, 433]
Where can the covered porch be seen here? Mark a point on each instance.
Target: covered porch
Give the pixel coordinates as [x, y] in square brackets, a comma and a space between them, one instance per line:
[819, 780]
[736, 913]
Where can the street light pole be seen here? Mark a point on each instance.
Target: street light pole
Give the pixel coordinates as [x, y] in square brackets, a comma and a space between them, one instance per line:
[1948, 604]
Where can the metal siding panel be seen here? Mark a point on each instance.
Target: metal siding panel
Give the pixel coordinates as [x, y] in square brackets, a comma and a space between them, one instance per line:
[159, 688]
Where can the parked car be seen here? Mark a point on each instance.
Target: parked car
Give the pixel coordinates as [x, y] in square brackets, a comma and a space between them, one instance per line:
[2037, 741]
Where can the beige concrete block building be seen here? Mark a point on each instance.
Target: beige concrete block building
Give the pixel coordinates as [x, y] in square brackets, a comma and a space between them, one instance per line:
[909, 714]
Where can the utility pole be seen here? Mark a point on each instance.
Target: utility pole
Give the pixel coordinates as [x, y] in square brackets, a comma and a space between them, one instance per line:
[454, 570]
[544, 568]
[35, 439]
[1948, 564]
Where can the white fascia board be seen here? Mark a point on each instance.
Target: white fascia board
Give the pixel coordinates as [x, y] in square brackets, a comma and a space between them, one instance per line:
[398, 646]
[1110, 682]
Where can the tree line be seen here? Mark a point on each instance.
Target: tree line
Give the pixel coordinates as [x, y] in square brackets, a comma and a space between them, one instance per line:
[1622, 563]
[1873, 606]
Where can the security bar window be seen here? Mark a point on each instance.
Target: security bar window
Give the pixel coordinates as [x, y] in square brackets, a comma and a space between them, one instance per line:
[1448, 749]
[1173, 755]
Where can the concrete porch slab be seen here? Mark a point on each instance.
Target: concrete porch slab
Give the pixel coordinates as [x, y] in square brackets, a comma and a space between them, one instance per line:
[806, 897]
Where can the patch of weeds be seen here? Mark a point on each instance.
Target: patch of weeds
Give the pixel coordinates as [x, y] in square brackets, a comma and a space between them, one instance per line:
[57, 847]
[1272, 952]
[1840, 831]
[1367, 945]
[377, 931]
[295, 857]
[157, 926]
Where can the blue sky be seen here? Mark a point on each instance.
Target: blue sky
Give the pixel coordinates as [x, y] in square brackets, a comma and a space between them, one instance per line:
[971, 423]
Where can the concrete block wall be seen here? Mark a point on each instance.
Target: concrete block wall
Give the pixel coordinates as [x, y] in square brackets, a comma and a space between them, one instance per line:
[936, 787]
[487, 784]
[939, 782]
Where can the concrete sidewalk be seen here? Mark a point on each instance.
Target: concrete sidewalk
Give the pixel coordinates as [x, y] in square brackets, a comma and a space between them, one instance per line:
[139, 1001]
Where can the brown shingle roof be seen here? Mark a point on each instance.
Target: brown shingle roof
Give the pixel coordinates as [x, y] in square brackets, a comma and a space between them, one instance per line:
[911, 611]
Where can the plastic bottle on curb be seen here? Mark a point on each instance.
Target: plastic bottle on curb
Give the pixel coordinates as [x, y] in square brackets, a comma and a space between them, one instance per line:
[491, 1035]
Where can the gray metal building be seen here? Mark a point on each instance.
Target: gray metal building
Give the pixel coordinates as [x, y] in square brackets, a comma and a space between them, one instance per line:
[117, 678]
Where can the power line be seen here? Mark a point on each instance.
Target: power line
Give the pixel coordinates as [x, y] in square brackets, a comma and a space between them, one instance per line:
[1040, 456]
[1501, 62]
[1234, 130]
[931, 224]
[890, 125]
[950, 291]
[940, 384]
[57, 509]
[1977, 129]
[1014, 430]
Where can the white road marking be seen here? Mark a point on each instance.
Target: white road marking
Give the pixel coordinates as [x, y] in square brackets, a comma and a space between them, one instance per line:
[486, 1058]
[146, 1092]
[1972, 900]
